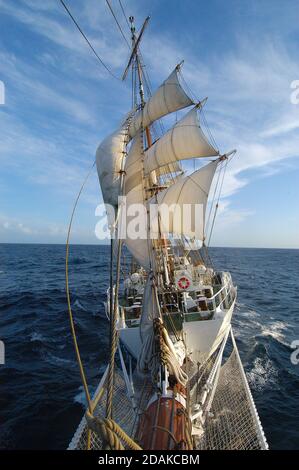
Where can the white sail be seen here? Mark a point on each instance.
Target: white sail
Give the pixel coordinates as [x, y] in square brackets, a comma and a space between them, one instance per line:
[184, 140]
[168, 98]
[133, 164]
[109, 159]
[169, 169]
[139, 250]
[186, 202]
[134, 228]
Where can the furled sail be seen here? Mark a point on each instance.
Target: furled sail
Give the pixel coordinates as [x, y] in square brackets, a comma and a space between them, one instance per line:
[181, 200]
[148, 359]
[169, 97]
[184, 140]
[109, 159]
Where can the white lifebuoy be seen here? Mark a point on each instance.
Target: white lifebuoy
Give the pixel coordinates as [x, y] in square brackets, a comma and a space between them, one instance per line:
[184, 283]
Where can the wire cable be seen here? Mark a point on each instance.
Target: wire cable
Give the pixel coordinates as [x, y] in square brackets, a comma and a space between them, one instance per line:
[117, 22]
[87, 40]
[217, 204]
[122, 9]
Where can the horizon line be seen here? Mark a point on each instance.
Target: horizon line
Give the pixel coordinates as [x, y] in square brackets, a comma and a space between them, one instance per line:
[108, 244]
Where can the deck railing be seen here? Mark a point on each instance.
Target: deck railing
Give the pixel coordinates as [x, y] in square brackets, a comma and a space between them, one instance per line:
[224, 296]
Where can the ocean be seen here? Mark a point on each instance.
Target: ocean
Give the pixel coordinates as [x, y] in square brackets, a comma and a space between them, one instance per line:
[41, 400]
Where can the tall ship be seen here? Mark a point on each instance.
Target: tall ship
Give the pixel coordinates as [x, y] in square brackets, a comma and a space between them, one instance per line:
[175, 380]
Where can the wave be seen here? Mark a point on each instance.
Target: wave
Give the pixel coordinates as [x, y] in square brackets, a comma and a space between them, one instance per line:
[78, 304]
[276, 330]
[37, 337]
[263, 375]
[42, 369]
[80, 397]
[55, 360]
[78, 260]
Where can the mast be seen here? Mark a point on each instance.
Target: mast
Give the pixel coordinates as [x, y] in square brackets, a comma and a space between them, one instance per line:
[149, 439]
[154, 245]
[114, 298]
[135, 43]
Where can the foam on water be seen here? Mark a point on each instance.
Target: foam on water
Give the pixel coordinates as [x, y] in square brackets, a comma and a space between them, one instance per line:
[277, 330]
[263, 375]
[80, 397]
[36, 337]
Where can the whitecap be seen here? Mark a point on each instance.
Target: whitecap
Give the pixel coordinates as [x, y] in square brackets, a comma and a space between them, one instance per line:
[51, 359]
[36, 337]
[276, 330]
[80, 397]
[263, 374]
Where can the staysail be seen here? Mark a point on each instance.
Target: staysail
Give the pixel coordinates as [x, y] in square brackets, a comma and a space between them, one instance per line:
[184, 140]
[109, 160]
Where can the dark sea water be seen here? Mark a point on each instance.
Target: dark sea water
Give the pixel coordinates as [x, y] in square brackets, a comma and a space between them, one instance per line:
[41, 400]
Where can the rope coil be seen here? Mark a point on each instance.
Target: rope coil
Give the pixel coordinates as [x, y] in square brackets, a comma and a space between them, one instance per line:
[110, 432]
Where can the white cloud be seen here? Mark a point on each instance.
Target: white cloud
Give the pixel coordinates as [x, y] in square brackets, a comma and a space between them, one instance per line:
[14, 230]
[11, 225]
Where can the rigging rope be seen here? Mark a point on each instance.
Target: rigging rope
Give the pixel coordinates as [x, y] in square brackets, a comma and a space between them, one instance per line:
[87, 40]
[213, 200]
[114, 310]
[73, 330]
[110, 432]
[114, 336]
[108, 429]
[196, 99]
[122, 9]
[217, 204]
[118, 24]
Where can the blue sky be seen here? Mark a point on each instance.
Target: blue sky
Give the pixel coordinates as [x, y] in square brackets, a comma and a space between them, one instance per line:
[60, 104]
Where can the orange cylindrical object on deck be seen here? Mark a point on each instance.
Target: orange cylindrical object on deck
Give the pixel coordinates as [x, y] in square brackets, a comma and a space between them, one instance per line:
[164, 426]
